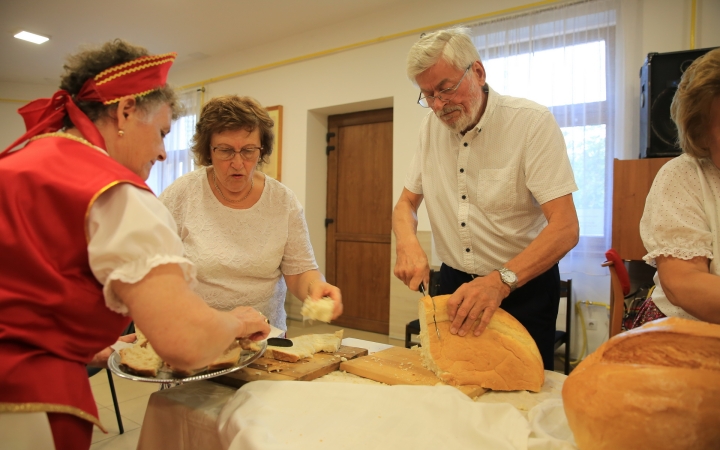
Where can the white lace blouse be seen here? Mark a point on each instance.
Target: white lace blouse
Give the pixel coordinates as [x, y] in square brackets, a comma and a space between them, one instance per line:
[241, 255]
[682, 219]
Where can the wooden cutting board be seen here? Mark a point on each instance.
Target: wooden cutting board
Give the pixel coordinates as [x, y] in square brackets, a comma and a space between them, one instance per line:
[399, 365]
[304, 370]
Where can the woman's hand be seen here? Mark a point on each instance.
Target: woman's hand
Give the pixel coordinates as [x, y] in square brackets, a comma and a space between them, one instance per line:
[312, 285]
[320, 288]
[101, 358]
[255, 325]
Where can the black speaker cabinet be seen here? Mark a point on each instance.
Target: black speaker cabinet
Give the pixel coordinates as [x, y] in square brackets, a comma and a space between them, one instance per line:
[659, 78]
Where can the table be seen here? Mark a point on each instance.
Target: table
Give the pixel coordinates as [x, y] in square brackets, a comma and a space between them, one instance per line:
[185, 417]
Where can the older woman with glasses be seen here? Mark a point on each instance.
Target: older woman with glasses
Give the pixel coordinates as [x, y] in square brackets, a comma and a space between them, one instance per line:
[245, 232]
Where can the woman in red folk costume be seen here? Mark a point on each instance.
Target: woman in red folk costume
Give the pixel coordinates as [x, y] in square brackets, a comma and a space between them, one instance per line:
[86, 246]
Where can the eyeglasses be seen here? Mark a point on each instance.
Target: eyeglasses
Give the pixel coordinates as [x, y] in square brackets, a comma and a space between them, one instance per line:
[228, 153]
[444, 96]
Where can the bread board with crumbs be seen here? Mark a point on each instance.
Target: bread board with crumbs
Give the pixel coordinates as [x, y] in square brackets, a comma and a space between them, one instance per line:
[304, 370]
[399, 365]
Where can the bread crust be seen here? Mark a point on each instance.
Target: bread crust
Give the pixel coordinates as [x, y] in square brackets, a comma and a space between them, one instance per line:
[504, 357]
[228, 359]
[657, 386]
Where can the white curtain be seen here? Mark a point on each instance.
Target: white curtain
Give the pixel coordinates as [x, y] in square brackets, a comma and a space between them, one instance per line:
[580, 59]
[177, 144]
[564, 57]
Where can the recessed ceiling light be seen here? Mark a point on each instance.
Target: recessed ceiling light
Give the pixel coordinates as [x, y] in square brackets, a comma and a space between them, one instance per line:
[31, 37]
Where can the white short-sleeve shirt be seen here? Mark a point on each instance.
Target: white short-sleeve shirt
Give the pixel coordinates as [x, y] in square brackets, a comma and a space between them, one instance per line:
[483, 190]
[682, 219]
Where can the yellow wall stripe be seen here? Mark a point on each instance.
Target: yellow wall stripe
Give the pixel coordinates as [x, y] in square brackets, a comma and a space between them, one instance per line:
[693, 16]
[13, 100]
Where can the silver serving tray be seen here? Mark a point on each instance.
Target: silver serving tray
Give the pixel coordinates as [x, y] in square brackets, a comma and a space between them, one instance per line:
[246, 358]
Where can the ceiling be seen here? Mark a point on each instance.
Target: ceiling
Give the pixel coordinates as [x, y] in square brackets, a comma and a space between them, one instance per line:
[192, 28]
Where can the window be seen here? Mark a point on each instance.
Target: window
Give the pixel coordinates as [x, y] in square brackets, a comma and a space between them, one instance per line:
[177, 146]
[563, 59]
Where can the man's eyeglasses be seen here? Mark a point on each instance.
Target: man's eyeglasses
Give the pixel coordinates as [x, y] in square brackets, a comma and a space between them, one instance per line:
[228, 153]
[444, 96]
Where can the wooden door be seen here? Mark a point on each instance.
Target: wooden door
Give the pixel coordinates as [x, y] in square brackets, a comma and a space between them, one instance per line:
[359, 223]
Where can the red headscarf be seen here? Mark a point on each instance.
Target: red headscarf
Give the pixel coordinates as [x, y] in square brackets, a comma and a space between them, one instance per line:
[137, 77]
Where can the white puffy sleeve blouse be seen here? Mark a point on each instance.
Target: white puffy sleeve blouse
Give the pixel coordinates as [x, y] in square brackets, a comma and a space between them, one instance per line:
[130, 232]
[682, 218]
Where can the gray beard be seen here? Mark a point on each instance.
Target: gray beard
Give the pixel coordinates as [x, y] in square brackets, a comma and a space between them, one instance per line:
[465, 120]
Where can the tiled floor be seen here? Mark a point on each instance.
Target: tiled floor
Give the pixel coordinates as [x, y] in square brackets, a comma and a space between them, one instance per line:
[133, 396]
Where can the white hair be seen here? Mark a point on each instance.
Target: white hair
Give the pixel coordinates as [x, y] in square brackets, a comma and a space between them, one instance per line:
[454, 45]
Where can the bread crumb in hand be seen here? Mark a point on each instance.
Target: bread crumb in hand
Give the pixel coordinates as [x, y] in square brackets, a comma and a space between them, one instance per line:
[321, 310]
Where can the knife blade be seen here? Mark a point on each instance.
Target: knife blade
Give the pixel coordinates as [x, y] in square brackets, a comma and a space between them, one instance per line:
[280, 342]
[422, 289]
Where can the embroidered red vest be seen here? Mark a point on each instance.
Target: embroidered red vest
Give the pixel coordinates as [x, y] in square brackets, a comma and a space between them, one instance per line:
[53, 317]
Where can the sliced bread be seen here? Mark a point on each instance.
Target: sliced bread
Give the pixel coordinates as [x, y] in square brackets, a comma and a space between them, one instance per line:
[228, 359]
[141, 360]
[306, 346]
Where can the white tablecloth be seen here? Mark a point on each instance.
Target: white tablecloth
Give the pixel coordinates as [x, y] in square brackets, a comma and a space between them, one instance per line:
[284, 415]
[188, 416]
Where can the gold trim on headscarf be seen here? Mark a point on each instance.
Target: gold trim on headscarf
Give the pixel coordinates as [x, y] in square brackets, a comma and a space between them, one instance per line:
[165, 57]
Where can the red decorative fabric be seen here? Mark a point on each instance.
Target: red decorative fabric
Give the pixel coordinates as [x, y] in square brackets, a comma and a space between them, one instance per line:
[619, 265]
[647, 313]
[53, 317]
[45, 115]
[70, 432]
[138, 77]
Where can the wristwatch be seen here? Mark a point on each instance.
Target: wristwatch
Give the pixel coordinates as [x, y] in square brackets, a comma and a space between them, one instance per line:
[508, 277]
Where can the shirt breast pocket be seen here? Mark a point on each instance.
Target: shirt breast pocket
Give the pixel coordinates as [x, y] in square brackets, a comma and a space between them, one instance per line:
[496, 189]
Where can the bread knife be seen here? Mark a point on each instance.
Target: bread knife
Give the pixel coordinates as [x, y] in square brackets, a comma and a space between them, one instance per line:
[422, 289]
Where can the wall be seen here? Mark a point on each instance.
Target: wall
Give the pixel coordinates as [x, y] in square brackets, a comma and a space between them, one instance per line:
[372, 76]
[11, 123]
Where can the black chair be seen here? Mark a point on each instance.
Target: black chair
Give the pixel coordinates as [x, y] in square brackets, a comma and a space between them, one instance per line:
[414, 327]
[563, 337]
[94, 370]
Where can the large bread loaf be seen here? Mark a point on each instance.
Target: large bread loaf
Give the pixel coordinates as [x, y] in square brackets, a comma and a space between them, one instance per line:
[503, 358]
[655, 387]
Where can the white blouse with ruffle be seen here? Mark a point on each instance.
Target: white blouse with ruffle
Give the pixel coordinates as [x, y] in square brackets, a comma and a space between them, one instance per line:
[130, 232]
[682, 219]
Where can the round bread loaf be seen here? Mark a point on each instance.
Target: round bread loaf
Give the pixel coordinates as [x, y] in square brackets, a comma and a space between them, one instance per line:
[503, 358]
[654, 387]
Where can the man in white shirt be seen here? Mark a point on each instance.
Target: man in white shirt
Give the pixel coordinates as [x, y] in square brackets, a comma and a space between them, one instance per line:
[497, 181]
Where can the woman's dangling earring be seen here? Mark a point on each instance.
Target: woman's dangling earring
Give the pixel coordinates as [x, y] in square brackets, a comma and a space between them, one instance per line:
[121, 133]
